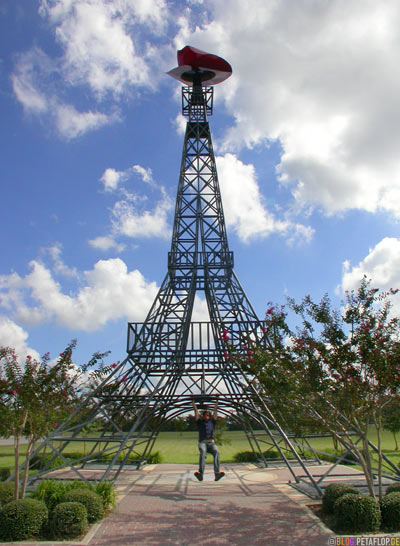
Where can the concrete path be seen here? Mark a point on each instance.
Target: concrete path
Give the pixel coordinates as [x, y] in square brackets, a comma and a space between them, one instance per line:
[165, 505]
[10, 441]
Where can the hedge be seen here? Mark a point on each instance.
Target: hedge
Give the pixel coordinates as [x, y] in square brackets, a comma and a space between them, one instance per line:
[68, 520]
[23, 518]
[332, 493]
[90, 500]
[355, 513]
[390, 510]
[6, 492]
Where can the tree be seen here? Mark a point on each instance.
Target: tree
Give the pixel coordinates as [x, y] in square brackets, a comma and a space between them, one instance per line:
[180, 425]
[338, 369]
[35, 397]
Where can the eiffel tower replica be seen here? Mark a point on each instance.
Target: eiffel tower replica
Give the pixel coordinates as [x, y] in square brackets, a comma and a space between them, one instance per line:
[172, 360]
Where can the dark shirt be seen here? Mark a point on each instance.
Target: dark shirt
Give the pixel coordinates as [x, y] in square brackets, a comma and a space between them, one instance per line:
[206, 429]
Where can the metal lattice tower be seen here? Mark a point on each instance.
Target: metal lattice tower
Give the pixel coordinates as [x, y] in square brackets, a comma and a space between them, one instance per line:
[170, 358]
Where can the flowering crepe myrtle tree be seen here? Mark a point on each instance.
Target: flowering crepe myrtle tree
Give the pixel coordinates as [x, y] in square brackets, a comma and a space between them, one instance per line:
[338, 367]
[35, 396]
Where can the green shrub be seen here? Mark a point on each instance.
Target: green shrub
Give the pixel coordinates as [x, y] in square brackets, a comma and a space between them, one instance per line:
[4, 474]
[154, 458]
[51, 491]
[6, 492]
[41, 460]
[355, 513]
[245, 457]
[21, 519]
[390, 510]
[350, 458]
[332, 493]
[68, 520]
[74, 455]
[271, 454]
[392, 488]
[329, 454]
[106, 490]
[90, 500]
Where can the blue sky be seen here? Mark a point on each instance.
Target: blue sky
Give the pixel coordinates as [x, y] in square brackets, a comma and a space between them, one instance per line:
[306, 133]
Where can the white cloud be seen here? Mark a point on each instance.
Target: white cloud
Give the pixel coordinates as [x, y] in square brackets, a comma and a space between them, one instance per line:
[131, 215]
[59, 266]
[98, 41]
[322, 78]
[12, 335]
[244, 209]
[145, 174]
[129, 221]
[106, 243]
[200, 310]
[109, 292]
[71, 123]
[104, 47]
[382, 265]
[179, 123]
[29, 69]
[111, 178]
[34, 87]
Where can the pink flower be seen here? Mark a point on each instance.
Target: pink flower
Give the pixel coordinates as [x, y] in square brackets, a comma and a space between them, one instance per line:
[225, 335]
[55, 425]
[249, 352]
[114, 365]
[61, 354]
[124, 378]
[12, 392]
[270, 310]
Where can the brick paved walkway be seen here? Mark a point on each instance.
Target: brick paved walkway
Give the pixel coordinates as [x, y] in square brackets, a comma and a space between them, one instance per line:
[165, 505]
[248, 507]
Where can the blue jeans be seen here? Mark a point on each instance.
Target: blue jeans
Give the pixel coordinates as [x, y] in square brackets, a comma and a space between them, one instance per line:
[208, 447]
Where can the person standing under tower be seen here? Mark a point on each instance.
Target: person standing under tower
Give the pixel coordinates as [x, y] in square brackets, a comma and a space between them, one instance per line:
[206, 425]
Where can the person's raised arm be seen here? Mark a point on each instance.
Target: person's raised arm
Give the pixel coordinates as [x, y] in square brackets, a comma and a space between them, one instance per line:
[215, 414]
[196, 412]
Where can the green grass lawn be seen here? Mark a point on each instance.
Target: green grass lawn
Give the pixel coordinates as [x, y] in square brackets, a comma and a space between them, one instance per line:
[7, 455]
[181, 447]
